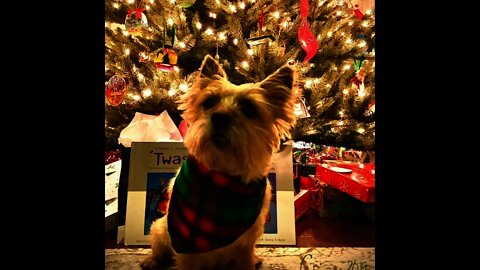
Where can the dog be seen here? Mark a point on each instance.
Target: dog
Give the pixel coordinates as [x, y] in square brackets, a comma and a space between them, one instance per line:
[221, 196]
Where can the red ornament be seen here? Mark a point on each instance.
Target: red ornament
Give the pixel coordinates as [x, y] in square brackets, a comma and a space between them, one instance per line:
[306, 38]
[357, 12]
[115, 90]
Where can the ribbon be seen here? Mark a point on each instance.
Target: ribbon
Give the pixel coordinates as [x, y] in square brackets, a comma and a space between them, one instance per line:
[360, 62]
[138, 12]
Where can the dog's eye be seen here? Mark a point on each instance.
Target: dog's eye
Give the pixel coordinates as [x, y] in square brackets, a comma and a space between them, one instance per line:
[248, 108]
[210, 101]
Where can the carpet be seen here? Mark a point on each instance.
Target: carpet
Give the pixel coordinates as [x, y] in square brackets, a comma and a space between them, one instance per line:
[274, 258]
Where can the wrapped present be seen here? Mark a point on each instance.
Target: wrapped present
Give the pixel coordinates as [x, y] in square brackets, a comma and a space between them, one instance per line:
[302, 203]
[354, 179]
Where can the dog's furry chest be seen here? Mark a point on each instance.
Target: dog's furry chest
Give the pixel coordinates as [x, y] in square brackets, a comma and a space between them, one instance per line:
[209, 210]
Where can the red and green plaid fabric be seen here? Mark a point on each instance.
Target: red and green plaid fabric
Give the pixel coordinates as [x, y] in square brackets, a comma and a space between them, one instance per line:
[210, 209]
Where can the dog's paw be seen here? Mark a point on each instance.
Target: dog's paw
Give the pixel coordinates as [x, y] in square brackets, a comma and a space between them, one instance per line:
[150, 263]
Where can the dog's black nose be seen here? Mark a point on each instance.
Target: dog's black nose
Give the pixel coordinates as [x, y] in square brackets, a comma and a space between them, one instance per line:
[221, 120]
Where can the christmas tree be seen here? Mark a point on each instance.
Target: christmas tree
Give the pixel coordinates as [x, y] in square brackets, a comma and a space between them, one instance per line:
[153, 50]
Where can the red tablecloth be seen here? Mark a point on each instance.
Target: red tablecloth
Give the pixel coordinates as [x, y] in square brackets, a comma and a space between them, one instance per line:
[360, 183]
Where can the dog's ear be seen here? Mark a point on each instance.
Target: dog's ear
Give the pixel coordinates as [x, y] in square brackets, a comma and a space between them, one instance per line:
[279, 86]
[211, 67]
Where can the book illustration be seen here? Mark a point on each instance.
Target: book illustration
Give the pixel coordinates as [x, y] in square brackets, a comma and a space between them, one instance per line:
[156, 197]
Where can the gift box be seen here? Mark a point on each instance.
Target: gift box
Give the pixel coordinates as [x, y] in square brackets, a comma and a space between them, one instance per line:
[302, 203]
[113, 164]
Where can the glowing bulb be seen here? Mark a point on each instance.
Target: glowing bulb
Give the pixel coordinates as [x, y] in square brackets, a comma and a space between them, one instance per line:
[106, 24]
[125, 33]
[198, 25]
[176, 69]
[233, 8]
[345, 91]
[361, 130]
[131, 1]
[285, 24]
[329, 34]
[147, 92]
[362, 44]
[140, 76]
[365, 24]
[253, 1]
[182, 44]
[106, 68]
[350, 23]
[346, 67]
[308, 83]
[250, 52]
[171, 92]
[340, 113]
[116, 5]
[328, 85]
[222, 36]
[340, 123]
[218, 2]
[349, 40]
[339, 13]
[235, 41]
[170, 21]
[212, 15]
[276, 14]
[312, 65]
[368, 12]
[172, 1]
[343, 34]
[183, 87]
[361, 92]
[152, 1]
[241, 5]
[136, 97]
[127, 51]
[209, 31]
[245, 64]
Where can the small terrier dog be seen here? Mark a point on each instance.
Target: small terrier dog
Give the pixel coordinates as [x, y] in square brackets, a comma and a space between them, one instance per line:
[221, 196]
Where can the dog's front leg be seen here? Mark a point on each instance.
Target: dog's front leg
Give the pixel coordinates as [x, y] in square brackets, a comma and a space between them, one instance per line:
[162, 251]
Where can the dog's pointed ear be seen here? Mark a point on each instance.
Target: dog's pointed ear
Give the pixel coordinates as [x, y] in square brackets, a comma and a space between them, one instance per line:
[211, 67]
[279, 86]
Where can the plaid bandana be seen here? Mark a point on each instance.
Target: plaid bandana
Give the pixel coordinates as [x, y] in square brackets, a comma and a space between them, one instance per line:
[210, 209]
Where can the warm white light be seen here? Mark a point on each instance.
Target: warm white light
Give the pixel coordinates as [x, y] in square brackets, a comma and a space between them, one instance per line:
[346, 67]
[125, 33]
[276, 14]
[345, 91]
[241, 5]
[235, 41]
[218, 2]
[349, 40]
[127, 51]
[106, 24]
[152, 1]
[131, 1]
[308, 83]
[250, 52]
[365, 24]
[116, 5]
[183, 87]
[147, 7]
[172, 1]
[106, 68]
[170, 21]
[136, 97]
[147, 92]
[209, 31]
[328, 85]
[245, 64]
[350, 23]
[285, 24]
[171, 92]
[361, 92]
[340, 123]
[182, 44]
[198, 25]
[361, 130]
[140, 76]
[343, 34]
[222, 36]
[233, 8]
[316, 80]
[362, 44]
[368, 12]
[176, 69]
[252, 1]
[339, 13]
[312, 65]
[329, 34]
[212, 15]
[340, 113]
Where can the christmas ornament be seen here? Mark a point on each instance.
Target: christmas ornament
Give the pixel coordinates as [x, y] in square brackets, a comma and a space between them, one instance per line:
[166, 59]
[136, 21]
[371, 108]
[260, 40]
[306, 38]
[115, 90]
[357, 80]
[360, 7]
[185, 3]
[301, 110]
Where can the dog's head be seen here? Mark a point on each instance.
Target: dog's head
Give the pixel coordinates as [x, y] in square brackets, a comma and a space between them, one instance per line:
[236, 128]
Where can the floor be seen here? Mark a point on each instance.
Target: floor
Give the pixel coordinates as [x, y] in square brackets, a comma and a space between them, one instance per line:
[313, 231]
